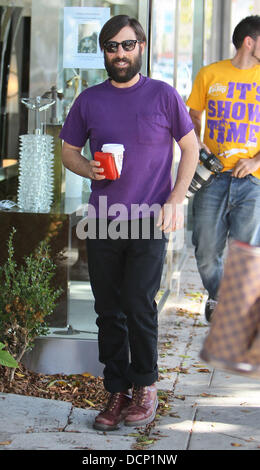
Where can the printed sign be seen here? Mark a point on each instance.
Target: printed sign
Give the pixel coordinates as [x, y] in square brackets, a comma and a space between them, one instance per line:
[82, 26]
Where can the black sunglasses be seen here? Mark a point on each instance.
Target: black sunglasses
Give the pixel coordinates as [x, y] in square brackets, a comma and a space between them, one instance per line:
[128, 45]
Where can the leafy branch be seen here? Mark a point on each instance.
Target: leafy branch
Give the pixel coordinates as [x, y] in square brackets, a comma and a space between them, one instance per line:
[26, 299]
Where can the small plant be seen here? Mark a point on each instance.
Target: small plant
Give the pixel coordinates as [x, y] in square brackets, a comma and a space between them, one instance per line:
[6, 359]
[26, 298]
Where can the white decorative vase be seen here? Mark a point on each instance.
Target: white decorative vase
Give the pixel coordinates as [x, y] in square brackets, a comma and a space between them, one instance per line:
[36, 175]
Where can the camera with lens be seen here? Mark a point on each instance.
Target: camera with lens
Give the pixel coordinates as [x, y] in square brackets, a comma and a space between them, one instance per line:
[209, 164]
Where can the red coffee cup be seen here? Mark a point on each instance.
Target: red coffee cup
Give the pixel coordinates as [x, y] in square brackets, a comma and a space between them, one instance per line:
[107, 162]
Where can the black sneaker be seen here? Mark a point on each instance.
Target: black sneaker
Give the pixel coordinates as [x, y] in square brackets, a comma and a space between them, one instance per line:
[209, 308]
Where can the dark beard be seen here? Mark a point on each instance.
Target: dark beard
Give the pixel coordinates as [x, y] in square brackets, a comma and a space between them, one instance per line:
[126, 74]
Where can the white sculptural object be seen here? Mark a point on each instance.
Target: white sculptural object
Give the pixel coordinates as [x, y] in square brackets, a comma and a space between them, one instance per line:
[36, 181]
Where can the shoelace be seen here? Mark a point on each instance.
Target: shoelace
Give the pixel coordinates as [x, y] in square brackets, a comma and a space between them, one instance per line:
[139, 395]
[112, 402]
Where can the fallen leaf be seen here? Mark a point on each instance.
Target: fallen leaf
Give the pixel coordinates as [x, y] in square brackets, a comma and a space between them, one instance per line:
[207, 395]
[235, 444]
[174, 415]
[144, 441]
[61, 382]
[181, 370]
[180, 397]
[162, 393]
[200, 325]
[5, 443]
[88, 402]
[51, 383]
[147, 443]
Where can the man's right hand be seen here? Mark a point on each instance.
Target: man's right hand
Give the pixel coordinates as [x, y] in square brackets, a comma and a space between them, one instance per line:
[75, 162]
[95, 171]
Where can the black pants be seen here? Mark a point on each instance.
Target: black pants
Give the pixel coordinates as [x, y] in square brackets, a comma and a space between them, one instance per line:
[125, 276]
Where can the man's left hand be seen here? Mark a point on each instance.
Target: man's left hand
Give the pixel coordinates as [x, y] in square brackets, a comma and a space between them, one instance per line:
[171, 217]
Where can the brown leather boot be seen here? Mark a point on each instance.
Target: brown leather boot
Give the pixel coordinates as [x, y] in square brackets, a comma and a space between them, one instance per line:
[233, 342]
[143, 407]
[111, 417]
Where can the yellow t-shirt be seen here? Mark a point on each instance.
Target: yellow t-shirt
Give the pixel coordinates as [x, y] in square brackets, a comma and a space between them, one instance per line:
[231, 99]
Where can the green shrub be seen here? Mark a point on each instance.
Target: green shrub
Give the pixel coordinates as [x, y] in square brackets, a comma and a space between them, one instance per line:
[26, 298]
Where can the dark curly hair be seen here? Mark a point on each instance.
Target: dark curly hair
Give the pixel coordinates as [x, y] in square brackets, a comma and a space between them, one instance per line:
[115, 24]
[249, 26]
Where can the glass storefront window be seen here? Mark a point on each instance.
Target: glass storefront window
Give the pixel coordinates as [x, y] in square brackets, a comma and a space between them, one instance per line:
[47, 69]
[163, 39]
[208, 14]
[172, 27]
[185, 48]
[239, 10]
[73, 81]
[220, 21]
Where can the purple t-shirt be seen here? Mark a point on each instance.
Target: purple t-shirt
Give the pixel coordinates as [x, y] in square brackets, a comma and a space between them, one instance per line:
[145, 118]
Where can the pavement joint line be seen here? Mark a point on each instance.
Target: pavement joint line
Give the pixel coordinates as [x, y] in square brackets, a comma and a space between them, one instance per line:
[193, 421]
[211, 378]
[69, 421]
[236, 437]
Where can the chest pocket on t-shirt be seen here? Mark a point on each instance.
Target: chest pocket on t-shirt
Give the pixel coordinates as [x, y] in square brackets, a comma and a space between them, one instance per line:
[152, 128]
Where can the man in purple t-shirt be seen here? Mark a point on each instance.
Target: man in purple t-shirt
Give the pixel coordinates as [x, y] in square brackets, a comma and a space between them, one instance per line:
[145, 116]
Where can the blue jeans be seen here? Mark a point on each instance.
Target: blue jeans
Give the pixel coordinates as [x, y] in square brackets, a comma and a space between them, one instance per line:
[224, 208]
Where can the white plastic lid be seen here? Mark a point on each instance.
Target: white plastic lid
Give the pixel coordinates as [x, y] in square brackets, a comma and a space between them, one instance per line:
[113, 148]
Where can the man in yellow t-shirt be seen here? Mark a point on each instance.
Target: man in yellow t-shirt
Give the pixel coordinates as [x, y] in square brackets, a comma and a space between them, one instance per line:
[228, 205]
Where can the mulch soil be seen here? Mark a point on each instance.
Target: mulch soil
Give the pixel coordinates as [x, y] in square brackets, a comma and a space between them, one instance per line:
[82, 390]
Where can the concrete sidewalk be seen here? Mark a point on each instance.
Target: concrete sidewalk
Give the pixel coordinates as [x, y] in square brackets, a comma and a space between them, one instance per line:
[205, 409]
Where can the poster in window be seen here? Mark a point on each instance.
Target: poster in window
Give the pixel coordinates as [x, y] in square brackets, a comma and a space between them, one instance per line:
[82, 26]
